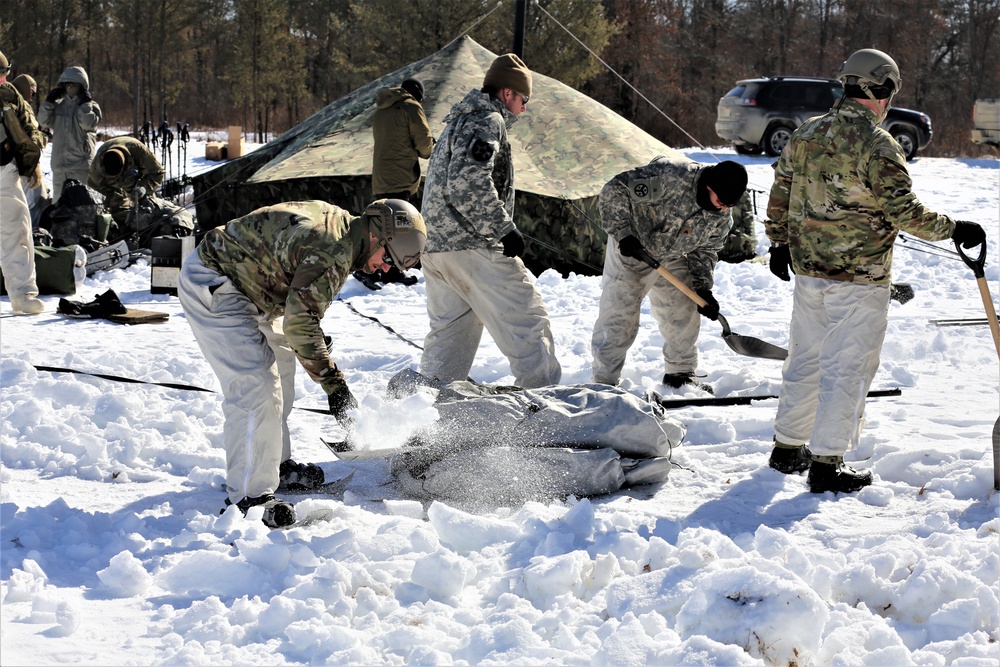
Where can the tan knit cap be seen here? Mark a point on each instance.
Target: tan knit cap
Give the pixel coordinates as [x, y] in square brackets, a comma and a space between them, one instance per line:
[509, 71]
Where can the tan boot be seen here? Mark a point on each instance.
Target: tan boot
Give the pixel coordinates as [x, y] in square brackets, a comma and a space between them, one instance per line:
[28, 305]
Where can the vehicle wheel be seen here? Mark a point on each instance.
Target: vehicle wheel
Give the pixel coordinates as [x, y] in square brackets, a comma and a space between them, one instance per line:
[775, 139]
[907, 141]
[747, 149]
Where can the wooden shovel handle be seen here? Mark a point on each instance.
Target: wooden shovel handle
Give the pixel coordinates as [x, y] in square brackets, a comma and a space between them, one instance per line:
[671, 278]
[991, 313]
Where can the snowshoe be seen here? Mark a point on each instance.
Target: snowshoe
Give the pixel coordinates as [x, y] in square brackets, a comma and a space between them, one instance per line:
[277, 513]
[790, 460]
[678, 380]
[115, 256]
[299, 476]
[837, 477]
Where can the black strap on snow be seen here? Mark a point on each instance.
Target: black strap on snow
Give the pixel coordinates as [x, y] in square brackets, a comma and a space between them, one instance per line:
[378, 322]
[168, 385]
[747, 400]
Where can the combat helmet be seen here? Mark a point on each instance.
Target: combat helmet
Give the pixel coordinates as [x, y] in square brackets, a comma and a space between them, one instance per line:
[874, 71]
[400, 228]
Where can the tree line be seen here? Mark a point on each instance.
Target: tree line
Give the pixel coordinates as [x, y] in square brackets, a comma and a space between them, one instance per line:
[662, 64]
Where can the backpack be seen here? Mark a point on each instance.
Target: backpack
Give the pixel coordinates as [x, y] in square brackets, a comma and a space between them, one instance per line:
[16, 139]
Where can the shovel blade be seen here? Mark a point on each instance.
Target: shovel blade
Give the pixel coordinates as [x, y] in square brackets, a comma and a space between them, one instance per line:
[749, 346]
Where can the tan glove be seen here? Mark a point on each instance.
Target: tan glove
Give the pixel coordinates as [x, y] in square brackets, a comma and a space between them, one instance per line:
[35, 180]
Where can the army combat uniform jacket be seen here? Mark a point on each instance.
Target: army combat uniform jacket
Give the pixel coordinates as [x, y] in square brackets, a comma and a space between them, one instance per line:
[469, 192]
[842, 194]
[117, 189]
[401, 135]
[657, 204]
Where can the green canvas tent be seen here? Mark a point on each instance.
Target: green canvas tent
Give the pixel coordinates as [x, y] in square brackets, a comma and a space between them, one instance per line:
[565, 147]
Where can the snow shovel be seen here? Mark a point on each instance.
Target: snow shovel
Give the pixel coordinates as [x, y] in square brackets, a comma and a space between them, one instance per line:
[977, 265]
[748, 346]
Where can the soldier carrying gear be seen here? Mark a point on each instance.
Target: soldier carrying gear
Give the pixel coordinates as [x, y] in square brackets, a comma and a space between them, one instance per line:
[832, 220]
[20, 147]
[254, 293]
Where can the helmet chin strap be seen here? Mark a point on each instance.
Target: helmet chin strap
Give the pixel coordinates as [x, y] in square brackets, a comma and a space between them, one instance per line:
[868, 92]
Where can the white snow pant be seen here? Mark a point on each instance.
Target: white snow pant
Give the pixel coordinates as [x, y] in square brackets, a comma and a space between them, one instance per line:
[256, 369]
[625, 284]
[17, 250]
[834, 344]
[468, 289]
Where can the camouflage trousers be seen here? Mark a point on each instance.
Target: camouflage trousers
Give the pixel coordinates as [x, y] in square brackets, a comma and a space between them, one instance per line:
[256, 370]
[626, 283]
[834, 344]
[470, 289]
[17, 250]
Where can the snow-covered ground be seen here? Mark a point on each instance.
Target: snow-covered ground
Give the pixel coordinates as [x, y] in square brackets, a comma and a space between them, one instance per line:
[113, 551]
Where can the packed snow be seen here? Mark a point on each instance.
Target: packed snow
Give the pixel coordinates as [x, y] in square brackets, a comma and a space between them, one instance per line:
[114, 551]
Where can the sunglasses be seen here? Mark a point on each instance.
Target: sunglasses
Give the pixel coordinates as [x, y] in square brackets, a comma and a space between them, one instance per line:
[387, 257]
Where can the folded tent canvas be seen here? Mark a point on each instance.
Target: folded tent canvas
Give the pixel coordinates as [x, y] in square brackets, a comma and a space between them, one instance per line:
[565, 147]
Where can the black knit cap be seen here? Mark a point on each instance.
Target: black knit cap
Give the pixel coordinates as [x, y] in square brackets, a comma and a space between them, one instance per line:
[728, 181]
[414, 88]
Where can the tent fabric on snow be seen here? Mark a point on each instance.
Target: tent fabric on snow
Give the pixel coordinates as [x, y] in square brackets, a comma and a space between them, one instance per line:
[566, 147]
[503, 445]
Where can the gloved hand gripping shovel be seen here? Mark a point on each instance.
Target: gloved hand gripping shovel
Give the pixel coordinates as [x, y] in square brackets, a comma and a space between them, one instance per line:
[977, 265]
[748, 346]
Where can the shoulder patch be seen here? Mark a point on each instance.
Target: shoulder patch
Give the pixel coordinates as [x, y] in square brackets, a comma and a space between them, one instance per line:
[480, 150]
[643, 189]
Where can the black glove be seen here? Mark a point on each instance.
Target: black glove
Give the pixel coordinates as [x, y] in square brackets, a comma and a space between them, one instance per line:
[781, 261]
[969, 234]
[55, 94]
[513, 244]
[901, 292]
[83, 96]
[630, 247]
[711, 307]
[342, 400]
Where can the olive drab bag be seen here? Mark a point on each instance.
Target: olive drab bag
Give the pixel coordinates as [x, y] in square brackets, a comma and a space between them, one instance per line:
[26, 151]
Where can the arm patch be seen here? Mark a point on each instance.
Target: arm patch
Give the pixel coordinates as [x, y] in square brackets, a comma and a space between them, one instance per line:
[481, 149]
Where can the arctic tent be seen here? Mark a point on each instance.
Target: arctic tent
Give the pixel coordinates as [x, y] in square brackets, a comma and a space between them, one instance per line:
[565, 147]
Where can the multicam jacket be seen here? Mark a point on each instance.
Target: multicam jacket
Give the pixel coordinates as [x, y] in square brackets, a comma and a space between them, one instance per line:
[401, 135]
[657, 203]
[118, 189]
[22, 110]
[469, 188]
[840, 196]
[292, 259]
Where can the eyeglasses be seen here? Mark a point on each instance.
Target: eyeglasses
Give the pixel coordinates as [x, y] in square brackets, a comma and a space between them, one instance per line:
[387, 257]
[524, 99]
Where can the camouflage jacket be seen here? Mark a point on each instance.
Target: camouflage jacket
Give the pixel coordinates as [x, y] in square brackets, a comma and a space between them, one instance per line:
[118, 189]
[469, 189]
[74, 135]
[657, 203]
[22, 110]
[840, 196]
[401, 135]
[741, 242]
[292, 259]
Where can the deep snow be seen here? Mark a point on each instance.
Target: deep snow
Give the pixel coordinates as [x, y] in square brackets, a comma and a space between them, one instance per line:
[113, 550]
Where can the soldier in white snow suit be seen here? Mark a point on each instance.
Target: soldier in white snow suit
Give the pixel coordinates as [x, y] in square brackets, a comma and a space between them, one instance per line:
[73, 116]
[472, 264]
[678, 211]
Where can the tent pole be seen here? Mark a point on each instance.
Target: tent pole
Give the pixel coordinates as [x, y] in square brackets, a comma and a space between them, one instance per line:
[520, 14]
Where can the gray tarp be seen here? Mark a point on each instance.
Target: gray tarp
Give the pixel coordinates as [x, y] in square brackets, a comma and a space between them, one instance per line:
[499, 445]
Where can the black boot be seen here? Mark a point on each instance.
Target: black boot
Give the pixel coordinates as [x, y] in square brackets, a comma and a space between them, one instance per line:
[678, 380]
[836, 477]
[277, 513]
[790, 460]
[299, 476]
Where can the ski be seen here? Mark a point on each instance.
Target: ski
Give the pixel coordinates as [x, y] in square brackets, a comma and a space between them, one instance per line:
[967, 322]
[745, 400]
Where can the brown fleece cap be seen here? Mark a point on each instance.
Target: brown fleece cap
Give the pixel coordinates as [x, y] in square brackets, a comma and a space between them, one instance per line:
[509, 71]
